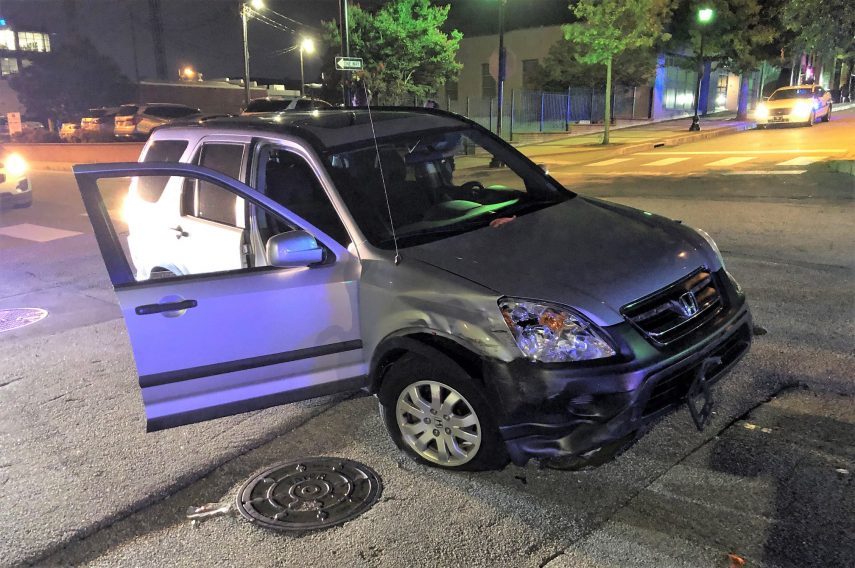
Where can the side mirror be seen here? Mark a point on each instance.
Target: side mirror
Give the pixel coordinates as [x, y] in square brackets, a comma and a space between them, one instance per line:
[293, 249]
[544, 168]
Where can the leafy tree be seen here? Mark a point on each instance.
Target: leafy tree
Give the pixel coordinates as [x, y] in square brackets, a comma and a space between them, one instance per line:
[821, 27]
[607, 28]
[64, 84]
[403, 48]
[560, 69]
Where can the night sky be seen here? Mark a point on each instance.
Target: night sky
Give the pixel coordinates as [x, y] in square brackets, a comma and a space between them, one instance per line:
[207, 33]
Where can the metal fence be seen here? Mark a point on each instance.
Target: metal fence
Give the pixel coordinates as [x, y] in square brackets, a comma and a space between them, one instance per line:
[539, 111]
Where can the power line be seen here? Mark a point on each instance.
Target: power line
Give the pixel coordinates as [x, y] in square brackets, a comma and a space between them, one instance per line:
[272, 23]
[299, 23]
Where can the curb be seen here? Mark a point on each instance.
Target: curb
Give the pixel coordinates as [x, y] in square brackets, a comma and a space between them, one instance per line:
[678, 140]
[843, 166]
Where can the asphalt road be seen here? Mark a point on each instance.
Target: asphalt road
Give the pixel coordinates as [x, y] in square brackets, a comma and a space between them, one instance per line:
[770, 480]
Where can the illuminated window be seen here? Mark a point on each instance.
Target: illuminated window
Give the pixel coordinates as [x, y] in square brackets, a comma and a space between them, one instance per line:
[33, 41]
[7, 40]
[8, 66]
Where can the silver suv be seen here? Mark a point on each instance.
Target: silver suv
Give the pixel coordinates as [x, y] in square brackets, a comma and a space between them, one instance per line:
[495, 314]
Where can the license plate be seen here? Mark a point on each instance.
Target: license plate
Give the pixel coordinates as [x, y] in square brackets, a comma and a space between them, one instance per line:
[777, 119]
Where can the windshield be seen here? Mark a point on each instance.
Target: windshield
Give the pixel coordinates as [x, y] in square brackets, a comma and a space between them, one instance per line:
[265, 105]
[791, 94]
[438, 184]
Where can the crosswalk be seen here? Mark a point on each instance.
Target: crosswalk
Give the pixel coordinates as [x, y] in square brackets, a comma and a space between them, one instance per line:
[739, 161]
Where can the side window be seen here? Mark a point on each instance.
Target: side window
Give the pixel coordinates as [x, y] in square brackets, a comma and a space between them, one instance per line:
[303, 105]
[290, 181]
[150, 188]
[209, 201]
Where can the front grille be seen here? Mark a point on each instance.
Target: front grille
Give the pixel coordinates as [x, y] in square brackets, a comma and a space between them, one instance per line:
[670, 389]
[680, 308]
[779, 112]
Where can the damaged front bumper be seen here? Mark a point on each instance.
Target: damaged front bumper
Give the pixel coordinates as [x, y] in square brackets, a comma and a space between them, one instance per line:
[553, 412]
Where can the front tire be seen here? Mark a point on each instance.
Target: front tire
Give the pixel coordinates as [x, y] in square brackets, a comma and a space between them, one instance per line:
[827, 116]
[812, 119]
[439, 416]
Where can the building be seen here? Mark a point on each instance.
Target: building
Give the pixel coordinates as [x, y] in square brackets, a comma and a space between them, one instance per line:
[18, 49]
[671, 94]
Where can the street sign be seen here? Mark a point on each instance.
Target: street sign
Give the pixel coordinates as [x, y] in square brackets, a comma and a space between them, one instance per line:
[348, 63]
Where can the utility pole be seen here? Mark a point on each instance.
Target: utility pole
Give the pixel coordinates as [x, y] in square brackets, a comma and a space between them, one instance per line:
[134, 42]
[345, 49]
[500, 75]
[243, 17]
[156, 22]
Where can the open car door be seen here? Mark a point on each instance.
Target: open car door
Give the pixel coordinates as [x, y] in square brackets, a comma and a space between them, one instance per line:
[223, 342]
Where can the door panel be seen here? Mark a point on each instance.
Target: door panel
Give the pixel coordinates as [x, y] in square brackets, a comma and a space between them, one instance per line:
[210, 344]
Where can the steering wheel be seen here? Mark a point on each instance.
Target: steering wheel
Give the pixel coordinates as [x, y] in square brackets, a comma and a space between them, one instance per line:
[473, 188]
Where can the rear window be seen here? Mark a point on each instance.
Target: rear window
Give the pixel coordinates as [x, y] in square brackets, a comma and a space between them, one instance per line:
[127, 109]
[171, 112]
[151, 188]
[262, 105]
[96, 113]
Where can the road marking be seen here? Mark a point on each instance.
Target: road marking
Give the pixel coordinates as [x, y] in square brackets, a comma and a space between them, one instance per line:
[765, 173]
[714, 152]
[611, 162]
[802, 161]
[730, 161]
[36, 233]
[666, 162]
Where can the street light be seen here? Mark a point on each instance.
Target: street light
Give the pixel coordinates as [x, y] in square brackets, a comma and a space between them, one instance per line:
[245, 11]
[308, 46]
[705, 16]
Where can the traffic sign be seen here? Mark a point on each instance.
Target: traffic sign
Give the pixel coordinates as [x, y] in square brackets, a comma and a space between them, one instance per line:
[348, 63]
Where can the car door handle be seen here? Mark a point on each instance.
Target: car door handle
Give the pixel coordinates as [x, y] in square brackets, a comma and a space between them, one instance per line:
[167, 307]
[181, 232]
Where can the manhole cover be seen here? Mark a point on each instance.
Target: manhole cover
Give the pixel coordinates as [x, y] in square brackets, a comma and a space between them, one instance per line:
[308, 494]
[20, 317]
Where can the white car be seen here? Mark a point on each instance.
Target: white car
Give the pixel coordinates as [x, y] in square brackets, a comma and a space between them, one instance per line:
[800, 105]
[15, 189]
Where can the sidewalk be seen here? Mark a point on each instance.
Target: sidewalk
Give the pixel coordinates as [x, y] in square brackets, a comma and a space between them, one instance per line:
[640, 138]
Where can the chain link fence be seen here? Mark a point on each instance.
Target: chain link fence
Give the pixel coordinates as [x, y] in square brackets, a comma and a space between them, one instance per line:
[540, 111]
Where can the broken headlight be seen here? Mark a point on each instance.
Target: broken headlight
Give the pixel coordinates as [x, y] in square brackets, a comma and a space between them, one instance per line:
[552, 334]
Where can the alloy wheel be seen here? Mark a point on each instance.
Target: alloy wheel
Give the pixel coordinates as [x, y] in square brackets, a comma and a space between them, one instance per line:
[438, 423]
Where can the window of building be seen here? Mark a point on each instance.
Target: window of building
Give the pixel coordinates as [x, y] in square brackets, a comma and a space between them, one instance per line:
[529, 69]
[721, 91]
[452, 90]
[680, 85]
[8, 66]
[488, 84]
[7, 40]
[33, 41]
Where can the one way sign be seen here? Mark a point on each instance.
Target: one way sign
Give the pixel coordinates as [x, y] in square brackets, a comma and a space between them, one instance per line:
[348, 63]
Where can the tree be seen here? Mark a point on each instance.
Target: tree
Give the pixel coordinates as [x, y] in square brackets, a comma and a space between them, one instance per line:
[64, 84]
[403, 48]
[822, 27]
[608, 28]
[740, 35]
[560, 69]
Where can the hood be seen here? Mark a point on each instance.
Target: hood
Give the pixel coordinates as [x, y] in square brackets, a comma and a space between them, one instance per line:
[786, 103]
[591, 255]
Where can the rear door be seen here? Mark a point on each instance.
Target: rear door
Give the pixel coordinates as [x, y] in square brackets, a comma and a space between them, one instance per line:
[211, 344]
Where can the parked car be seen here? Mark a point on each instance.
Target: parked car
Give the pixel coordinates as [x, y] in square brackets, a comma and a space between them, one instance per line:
[495, 314]
[70, 132]
[800, 105]
[15, 189]
[97, 124]
[279, 104]
[136, 121]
